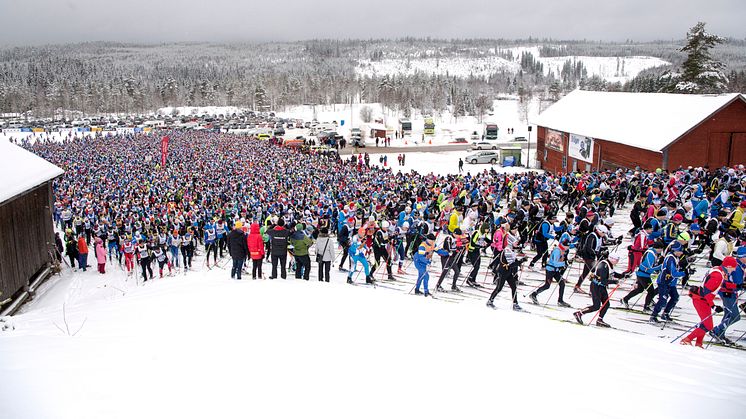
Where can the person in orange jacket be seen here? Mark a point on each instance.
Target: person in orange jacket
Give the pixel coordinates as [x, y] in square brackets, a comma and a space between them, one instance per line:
[82, 252]
[703, 298]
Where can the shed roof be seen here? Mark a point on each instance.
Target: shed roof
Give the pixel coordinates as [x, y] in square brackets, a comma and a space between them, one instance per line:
[22, 170]
[650, 121]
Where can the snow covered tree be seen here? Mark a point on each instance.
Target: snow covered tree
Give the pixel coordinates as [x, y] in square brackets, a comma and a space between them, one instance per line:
[701, 73]
[366, 114]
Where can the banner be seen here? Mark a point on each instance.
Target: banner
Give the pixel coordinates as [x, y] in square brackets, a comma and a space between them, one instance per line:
[553, 140]
[164, 150]
[580, 148]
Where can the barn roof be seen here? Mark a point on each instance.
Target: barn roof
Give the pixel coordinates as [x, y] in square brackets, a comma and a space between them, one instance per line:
[651, 121]
[21, 170]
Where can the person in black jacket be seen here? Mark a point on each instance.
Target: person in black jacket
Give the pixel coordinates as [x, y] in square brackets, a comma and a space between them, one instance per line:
[278, 248]
[238, 249]
[591, 251]
[602, 276]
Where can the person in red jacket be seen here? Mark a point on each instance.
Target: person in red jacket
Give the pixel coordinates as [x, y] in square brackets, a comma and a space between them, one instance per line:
[637, 249]
[256, 250]
[703, 299]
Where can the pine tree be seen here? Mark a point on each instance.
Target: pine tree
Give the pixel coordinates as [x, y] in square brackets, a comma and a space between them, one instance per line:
[701, 73]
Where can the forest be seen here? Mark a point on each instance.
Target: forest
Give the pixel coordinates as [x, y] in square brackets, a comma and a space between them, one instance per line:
[96, 78]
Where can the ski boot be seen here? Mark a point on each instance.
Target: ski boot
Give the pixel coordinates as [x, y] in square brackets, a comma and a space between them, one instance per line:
[563, 304]
[368, 279]
[533, 298]
[491, 305]
[601, 323]
[439, 289]
[666, 317]
[654, 319]
[391, 278]
[625, 304]
[401, 271]
[578, 317]
[417, 292]
[579, 290]
[646, 309]
[685, 341]
[472, 284]
[455, 289]
[516, 307]
[349, 280]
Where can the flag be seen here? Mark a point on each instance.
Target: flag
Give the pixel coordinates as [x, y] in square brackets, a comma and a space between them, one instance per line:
[164, 150]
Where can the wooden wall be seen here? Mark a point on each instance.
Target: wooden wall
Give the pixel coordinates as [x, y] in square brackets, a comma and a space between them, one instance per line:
[25, 231]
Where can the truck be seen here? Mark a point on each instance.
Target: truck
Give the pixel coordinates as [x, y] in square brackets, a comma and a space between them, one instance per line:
[490, 132]
[356, 138]
[405, 127]
[429, 126]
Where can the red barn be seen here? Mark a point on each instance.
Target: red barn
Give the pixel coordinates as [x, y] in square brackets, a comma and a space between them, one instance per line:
[591, 130]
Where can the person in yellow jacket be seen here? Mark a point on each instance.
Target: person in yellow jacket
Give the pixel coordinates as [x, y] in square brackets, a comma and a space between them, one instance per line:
[737, 221]
[455, 220]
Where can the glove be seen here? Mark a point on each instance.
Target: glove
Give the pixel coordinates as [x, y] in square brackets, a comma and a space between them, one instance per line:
[718, 309]
[619, 240]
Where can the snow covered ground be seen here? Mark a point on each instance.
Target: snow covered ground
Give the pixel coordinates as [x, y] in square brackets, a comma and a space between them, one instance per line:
[439, 163]
[613, 69]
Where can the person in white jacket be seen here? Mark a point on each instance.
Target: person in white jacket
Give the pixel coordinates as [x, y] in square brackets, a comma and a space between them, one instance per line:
[325, 253]
[723, 248]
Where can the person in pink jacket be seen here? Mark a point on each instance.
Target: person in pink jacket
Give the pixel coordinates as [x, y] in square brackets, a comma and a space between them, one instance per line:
[100, 255]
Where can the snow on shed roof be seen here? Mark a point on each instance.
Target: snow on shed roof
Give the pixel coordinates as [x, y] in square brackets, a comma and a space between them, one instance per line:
[21, 170]
[651, 121]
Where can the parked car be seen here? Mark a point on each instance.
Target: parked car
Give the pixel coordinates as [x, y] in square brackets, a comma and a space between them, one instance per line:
[459, 140]
[483, 157]
[483, 145]
[520, 139]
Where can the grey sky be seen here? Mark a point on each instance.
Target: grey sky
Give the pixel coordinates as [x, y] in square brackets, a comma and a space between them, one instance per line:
[24, 22]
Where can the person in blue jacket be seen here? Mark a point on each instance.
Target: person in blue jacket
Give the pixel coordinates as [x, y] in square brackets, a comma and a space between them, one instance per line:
[668, 295]
[422, 260]
[648, 266]
[221, 235]
[210, 237]
[357, 253]
[729, 296]
[541, 239]
[555, 269]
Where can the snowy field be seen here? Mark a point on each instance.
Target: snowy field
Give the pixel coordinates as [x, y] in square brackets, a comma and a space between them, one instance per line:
[202, 345]
[612, 69]
[439, 163]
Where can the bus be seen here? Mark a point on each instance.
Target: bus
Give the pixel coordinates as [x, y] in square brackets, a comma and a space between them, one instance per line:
[429, 126]
[490, 132]
[405, 127]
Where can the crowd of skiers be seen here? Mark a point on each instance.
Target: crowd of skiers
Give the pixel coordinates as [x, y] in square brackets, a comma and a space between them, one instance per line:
[251, 200]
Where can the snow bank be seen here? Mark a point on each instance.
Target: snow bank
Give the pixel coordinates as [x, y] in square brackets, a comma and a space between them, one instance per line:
[21, 171]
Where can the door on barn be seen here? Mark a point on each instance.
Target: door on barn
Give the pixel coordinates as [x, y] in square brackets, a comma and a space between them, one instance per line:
[718, 149]
[737, 149]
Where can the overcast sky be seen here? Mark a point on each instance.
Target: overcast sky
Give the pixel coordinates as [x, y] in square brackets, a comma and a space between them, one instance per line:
[26, 22]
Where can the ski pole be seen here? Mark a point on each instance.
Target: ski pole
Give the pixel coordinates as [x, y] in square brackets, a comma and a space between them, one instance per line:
[692, 328]
[606, 302]
[562, 279]
[641, 294]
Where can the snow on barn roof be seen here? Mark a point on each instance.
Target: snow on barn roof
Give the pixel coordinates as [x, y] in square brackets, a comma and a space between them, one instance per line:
[22, 170]
[650, 121]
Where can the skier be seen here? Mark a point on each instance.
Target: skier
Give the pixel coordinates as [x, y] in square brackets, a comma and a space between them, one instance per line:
[278, 237]
[357, 253]
[668, 296]
[128, 248]
[343, 238]
[210, 244]
[144, 259]
[452, 258]
[648, 267]
[703, 299]
[555, 271]
[380, 245]
[100, 255]
[422, 260]
[591, 251]
[729, 296]
[543, 234]
[188, 243]
[507, 271]
[161, 256]
[601, 277]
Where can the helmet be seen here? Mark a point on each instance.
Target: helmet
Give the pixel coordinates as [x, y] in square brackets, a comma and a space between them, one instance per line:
[384, 224]
[609, 221]
[613, 258]
[602, 229]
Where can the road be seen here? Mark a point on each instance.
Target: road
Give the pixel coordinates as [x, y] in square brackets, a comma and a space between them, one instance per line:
[409, 149]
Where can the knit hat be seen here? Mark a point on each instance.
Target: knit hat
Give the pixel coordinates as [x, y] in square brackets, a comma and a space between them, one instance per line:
[729, 262]
[238, 224]
[299, 227]
[430, 236]
[676, 247]
[741, 252]
[677, 217]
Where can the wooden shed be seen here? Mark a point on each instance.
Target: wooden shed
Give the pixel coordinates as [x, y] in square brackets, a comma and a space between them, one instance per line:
[26, 226]
[607, 130]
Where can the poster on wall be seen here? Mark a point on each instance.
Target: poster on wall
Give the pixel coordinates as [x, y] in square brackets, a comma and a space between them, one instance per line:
[580, 148]
[553, 140]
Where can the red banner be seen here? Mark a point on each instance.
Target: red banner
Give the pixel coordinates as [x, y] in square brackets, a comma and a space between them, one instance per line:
[164, 150]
